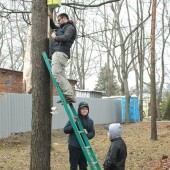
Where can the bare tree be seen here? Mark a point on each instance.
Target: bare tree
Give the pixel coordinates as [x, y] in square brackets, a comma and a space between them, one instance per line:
[141, 56]
[141, 46]
[124, 68]
[108, 38]
[1, 42]
[164, 42]
[41, 117]
[82, 62]
[14, 29]
[153, 109]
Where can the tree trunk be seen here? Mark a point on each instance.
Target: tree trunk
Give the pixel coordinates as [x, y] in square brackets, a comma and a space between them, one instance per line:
[27, 70]
[141, 56]
[41, 117]
[122, 89]
[167, 112]
[153, 88]
[164, 40]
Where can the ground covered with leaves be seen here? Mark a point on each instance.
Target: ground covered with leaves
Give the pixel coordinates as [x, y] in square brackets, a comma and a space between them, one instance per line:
[143, 153]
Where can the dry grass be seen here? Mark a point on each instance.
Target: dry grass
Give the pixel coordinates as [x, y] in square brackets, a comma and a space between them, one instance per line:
[143, 153]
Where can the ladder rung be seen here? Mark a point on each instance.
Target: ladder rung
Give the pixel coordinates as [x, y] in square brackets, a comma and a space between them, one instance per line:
[88, 147]
[93, 163]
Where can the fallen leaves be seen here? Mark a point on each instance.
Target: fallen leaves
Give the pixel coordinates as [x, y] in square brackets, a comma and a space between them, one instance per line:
[143, 153]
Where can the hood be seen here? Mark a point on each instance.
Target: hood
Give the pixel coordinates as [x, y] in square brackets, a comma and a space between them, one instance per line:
[115, 130]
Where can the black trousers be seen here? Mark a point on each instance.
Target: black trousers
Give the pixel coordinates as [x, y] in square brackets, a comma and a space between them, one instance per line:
[77, 158]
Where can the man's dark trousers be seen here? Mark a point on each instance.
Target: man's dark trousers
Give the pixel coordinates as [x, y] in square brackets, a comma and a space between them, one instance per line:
[77, 158]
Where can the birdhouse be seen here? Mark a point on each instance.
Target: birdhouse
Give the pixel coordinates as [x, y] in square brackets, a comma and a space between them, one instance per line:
[54, 3]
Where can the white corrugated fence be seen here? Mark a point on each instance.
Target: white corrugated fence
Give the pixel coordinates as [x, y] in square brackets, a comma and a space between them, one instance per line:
[16, 112]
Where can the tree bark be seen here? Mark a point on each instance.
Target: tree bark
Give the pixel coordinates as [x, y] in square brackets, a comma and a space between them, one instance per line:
[41, 117]
[153, 88]
[167, 112]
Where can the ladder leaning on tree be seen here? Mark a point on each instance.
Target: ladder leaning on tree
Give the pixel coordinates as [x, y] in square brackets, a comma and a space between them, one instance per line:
[78, 128]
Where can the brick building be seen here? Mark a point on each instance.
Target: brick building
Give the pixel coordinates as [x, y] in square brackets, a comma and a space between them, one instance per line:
[12, 82]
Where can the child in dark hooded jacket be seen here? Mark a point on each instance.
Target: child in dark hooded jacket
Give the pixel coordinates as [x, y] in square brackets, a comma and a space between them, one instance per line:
[116, 156]
[76, 155]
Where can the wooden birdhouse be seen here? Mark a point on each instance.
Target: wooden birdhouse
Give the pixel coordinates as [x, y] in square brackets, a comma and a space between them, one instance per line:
[54, 3]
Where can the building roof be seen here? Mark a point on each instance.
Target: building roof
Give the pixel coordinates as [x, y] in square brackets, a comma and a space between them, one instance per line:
[4, 69]
[84, 90]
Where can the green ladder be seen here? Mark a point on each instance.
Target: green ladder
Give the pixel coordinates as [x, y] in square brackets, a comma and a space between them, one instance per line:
[78, 128]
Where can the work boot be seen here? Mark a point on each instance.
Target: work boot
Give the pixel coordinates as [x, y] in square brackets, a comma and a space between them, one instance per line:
[68, 100]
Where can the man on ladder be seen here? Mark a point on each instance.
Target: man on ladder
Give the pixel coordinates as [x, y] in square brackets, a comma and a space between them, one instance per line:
[63, 38]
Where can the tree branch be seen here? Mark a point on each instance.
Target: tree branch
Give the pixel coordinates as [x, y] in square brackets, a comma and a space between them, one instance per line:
[88, 5]
[73, 5]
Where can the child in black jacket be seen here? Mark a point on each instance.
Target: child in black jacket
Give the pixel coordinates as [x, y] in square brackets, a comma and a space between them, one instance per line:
[76, 155]
[116, 156]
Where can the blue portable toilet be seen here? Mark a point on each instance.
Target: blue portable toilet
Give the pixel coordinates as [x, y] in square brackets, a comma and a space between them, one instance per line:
[134, 109]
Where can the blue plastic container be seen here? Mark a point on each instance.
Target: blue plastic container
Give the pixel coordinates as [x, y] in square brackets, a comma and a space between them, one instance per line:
[134, 110]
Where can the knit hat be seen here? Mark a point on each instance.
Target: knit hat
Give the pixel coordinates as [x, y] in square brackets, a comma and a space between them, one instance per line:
[81, 105]
[115, 130]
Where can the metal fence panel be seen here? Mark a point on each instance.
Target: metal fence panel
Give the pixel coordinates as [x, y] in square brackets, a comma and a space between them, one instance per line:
[5, 120]
[16, 112]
